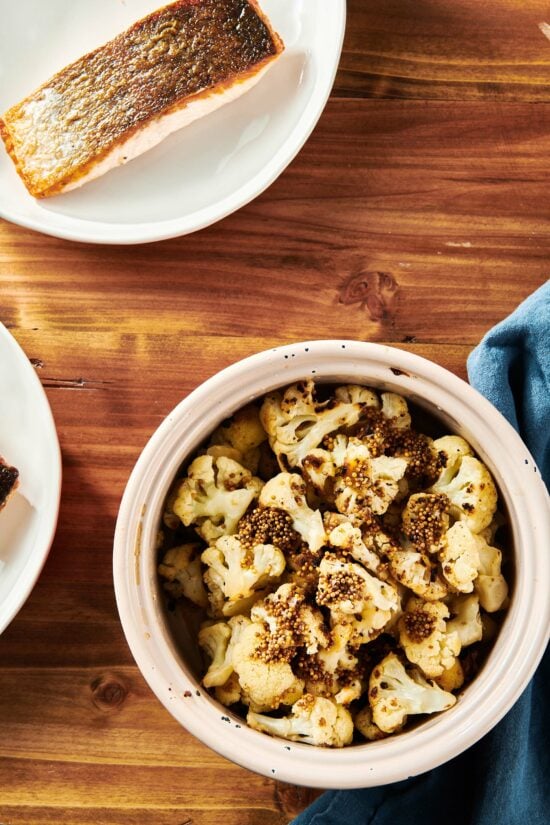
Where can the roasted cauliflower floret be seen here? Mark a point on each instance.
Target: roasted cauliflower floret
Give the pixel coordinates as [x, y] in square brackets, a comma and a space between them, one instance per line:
[287, 491]
[366, 483]
[236, 570]
[364, 724]
[313, 719]
[472, 493]
[296, 422]
[466, 619]
[269, 525]
[395, 694]
[319, 470]
[291, 622]
[215, 495]
[345, 536]
[337, 656]
[451, 449]
[350, 692]
[452, 678]
[460, 557]
[417, 572]
[182, 573]
[359, 484]
[230, 692]
[425, 521]
[214, 640]
[347, 587]
[355, 598]
[424, 636]
[490, 584]
[395, 409]
[265, 684]
[218, 641]
[356, 394]
[244, 433]
[331, 669]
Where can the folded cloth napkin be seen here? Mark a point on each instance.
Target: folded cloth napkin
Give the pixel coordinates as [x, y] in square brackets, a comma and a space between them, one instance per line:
[505, 778]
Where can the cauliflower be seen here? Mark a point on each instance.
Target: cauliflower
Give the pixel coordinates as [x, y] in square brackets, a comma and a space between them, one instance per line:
[287, 491]
[182, 574]
[328, 671]
[313, 719]
[347, 587]
[460, 557]
[395, 409]
[350, 692]
[344, 536]
[269, 525]
[366, 483]
[218, 641]
[296, 422]
[452, 678]
[230, 692]
[395, 694]
[451, 449]
[356, 599]
[425, 638]
[364, 724]
[471, 491]
[214, 496]
[291, 622]
[319, 469]
[236, 570]
[241, 607]
[466, 619]
[490, 584]
[337, 656]
[265, 684]
[244, 433]
[358, 484]
[416, 571]
[214, 640]
[356, 394]
[425, 521]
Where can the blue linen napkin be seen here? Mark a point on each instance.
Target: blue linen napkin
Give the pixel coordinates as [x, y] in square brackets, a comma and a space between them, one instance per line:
[504, 779]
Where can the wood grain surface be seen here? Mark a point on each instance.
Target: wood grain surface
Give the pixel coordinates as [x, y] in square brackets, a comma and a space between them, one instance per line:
[418, 214]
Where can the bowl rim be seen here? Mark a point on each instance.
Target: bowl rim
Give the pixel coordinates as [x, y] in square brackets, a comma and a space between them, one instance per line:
[524, 633]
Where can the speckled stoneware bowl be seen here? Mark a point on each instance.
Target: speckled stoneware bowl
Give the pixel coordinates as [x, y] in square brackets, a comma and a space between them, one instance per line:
[170, 664]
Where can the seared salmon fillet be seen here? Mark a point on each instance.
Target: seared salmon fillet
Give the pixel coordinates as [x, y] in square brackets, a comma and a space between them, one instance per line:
[181, 62]
[8, 481]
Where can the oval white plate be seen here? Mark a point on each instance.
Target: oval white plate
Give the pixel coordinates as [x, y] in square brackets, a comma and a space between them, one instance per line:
[196, 176]
[28, 441]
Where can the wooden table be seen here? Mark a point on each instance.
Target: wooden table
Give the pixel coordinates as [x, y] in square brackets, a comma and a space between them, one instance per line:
[417, 215]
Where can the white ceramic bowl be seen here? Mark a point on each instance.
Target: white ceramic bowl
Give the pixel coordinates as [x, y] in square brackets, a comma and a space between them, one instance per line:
[166, 666]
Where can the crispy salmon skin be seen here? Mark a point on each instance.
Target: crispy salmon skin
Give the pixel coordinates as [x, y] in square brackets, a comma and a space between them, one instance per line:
[8, 481]
[179, 63]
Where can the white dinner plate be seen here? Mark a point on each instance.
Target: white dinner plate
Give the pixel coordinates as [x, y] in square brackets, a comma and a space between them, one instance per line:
[28, 441]
[196, 176]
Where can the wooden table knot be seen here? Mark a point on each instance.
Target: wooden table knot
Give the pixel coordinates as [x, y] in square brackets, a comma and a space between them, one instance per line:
[108, 692]
[373, 291]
